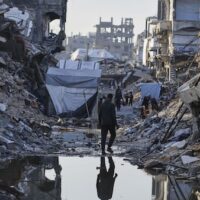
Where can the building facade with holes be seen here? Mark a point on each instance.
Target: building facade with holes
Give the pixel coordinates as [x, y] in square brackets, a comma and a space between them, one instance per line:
[43, 12]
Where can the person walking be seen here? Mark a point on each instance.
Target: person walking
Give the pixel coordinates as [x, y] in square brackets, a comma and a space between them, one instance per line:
[126, 98]
[118, 98]
[107, 122]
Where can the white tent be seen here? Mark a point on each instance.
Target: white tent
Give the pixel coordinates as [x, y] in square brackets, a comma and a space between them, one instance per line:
[71, 89]
[77, 65]
[94, 54]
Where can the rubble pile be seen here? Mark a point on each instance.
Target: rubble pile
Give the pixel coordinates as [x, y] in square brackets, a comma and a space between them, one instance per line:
[24, 127]
[162, 143]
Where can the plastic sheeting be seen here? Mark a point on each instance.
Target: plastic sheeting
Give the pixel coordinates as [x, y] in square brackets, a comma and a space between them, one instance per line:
[94, 54]
[150, 89]
[71, 89]
[73, 78]
[70, 64]
[69, 99]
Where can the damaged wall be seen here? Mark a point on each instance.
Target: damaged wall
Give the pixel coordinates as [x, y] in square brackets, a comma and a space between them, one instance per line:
[47, 11]
[177, 33]
[118, 39]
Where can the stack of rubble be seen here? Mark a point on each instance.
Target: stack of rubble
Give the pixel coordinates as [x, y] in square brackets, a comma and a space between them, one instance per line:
[162, 142]
[24, 128]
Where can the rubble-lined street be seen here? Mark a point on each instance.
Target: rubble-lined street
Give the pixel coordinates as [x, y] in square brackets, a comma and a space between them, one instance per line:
[60, 95]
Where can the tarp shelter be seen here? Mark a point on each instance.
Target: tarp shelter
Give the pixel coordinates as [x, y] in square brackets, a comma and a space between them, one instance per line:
[93, 54]
[71, 89]
[77, 65]
[150, 89]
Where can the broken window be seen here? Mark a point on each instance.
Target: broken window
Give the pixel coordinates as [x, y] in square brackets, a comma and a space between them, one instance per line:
[52, 24]
[55, 26]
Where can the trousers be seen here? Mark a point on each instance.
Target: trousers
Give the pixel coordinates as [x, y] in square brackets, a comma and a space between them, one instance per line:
[104, 133]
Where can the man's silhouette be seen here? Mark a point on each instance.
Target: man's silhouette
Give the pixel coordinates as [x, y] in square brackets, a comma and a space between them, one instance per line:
[106, 180]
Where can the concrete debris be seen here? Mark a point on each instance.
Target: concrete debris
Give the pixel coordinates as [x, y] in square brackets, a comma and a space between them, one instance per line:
[179, 145]
[189, 159]
[3, 107]
[157, 130]
[24, 61]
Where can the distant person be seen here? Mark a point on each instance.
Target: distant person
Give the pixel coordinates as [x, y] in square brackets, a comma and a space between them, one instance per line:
[126, 97]
[100, 102]
[106, 180]
[130, 99]
[145, 106]
[107, 122]
[118, 98]
[154, 105]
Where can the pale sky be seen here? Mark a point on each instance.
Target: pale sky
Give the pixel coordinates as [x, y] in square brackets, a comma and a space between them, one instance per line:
[84, 14]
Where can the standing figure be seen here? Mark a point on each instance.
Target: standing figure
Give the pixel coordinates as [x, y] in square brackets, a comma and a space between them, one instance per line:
[145, 106]
[108, 122]
[154, 105]
[118, 98]
[126, 98]
[130, 99]
[106, 180]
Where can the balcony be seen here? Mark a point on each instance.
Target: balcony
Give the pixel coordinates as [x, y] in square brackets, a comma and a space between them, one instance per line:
[163, 26]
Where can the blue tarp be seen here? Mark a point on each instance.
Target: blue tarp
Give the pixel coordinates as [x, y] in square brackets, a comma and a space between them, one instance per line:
[150, 89]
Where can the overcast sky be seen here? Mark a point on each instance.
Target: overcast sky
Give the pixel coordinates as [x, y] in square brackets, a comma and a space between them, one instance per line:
[84, 14]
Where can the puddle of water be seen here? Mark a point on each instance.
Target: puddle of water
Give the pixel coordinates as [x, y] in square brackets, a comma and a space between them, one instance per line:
[75, 178]
[81, 175]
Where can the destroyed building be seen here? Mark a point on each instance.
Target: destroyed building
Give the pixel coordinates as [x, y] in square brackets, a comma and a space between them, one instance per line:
[41, 13]
[150, 41]
[138, 49]
[176, 36]
[118, 39]
[80, 42]
[178, 31]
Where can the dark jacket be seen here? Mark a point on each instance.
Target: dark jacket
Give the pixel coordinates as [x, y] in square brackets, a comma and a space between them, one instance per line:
[107, 114]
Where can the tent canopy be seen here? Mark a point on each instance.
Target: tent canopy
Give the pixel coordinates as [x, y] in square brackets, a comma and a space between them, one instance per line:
[71, 89]
[94, 54]
[77, 65]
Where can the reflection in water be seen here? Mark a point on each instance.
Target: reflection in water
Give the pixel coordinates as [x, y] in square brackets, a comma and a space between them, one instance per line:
[41, 178]
[25, 179]
[106, 179]
[170, 188]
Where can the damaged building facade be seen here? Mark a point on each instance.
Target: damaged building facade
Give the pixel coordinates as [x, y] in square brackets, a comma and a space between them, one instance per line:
[117, 39]
[81, 41]
[176, 36]
[138, 49]
[41, 14]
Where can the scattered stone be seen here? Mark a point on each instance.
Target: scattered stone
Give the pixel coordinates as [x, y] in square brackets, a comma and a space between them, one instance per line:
[3, 107]
[189, 159]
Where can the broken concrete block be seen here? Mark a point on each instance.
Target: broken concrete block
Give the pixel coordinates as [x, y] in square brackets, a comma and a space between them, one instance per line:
[179, 145]
[5, 140]
[152, 164]
[3, 107]
[25, 127]
[2, 61]
[180, 132]
[189, 159]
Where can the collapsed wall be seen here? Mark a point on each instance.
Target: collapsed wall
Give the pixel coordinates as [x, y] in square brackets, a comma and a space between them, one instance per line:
[42, 13]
